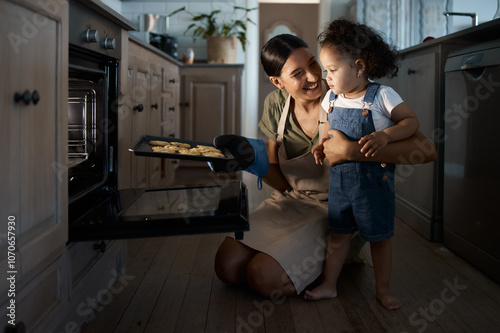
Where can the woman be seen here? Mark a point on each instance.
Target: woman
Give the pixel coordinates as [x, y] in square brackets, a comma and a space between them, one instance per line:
[285, 248]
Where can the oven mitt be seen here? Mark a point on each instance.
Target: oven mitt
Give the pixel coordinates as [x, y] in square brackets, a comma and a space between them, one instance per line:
[249, 155]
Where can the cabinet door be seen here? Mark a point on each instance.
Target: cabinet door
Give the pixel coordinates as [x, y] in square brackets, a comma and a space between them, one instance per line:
[33, 190]
[139, 71]
[418, 88]
[32, 135]
[212, 104]
[155, 110]
[170, 117]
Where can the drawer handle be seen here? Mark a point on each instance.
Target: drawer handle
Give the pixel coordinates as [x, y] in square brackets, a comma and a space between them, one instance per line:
[155, 106]
[172, 81]
[411, 71]
[171, 109]
[139, 107]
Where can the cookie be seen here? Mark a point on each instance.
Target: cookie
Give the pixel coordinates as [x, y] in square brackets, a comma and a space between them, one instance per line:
[164, 149]
[158, 143]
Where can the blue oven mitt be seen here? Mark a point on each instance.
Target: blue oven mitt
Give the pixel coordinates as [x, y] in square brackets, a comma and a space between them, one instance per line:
[249, 155]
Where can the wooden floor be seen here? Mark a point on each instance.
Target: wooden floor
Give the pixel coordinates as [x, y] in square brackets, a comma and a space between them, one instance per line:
[170, 286]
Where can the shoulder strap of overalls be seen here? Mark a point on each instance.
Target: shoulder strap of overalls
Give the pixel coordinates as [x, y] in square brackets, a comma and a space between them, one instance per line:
[370, 94]
[284, 116]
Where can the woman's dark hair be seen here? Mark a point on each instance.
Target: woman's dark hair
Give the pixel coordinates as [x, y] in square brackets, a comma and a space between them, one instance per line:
[358, 41]
[276, 52]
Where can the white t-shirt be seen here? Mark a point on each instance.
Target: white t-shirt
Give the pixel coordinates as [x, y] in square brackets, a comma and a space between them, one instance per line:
[385, 101]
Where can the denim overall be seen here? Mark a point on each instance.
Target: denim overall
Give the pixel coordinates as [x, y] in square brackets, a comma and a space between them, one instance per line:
[361, 194]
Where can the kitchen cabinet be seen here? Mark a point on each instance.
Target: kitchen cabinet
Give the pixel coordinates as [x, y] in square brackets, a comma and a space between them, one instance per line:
[33, 194]
[211, 101]
[148, 105]
[419, 187]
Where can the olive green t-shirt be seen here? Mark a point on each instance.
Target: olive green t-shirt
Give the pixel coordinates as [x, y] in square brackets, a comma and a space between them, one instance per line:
[295, 140]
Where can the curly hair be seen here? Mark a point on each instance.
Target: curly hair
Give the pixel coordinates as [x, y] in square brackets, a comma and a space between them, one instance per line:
[359, 41]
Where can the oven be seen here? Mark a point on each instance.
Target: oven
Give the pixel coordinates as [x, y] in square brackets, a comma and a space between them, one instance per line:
[97, 209]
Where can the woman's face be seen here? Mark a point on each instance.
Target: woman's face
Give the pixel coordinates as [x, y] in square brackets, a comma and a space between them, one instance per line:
[341, 74]
[300, 76]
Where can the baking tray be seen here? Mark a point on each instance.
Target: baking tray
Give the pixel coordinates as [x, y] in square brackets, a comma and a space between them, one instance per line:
[142, 148]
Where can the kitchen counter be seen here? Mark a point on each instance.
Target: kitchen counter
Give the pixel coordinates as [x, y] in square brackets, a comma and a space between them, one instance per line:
[109, 13]
[480, 33]
[139, 41]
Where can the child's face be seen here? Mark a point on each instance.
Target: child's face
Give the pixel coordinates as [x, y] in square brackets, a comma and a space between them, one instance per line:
[341, 74]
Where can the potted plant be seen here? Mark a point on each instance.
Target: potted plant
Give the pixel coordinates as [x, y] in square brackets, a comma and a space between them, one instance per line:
[222, 31]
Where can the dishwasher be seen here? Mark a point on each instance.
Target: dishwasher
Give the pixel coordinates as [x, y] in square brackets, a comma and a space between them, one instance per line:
[471, 203]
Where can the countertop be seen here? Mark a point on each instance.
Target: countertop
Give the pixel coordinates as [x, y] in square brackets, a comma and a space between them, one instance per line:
[481, 33]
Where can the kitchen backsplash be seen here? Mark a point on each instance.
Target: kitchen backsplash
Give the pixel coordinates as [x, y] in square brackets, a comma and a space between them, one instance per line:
[179, 22]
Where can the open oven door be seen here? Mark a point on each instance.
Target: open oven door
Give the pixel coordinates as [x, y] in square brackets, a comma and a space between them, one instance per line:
[177, 210]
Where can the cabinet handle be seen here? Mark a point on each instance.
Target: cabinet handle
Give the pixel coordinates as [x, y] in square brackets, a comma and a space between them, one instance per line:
[171, 81]
[101, 247]
[19, 328]
[172, 108]
[25, 97]
[155, 106]
[139, 108]
[411, 71]
[186, 104]
[35, 97]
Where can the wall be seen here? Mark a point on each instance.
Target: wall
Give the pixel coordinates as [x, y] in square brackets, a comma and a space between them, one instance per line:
[179, 23]
[302, 18]
[484, 8]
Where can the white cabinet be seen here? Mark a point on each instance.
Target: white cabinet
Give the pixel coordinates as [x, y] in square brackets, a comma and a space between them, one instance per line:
[149, 105]
[33, 191]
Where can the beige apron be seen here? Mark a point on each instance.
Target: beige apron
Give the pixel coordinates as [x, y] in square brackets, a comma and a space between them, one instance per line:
[292, 227]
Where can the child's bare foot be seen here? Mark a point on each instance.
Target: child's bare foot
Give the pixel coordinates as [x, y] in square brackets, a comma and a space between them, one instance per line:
[320, 292]
[388, 300]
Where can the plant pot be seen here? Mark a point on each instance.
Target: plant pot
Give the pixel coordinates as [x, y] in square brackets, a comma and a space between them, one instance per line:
[221, 49]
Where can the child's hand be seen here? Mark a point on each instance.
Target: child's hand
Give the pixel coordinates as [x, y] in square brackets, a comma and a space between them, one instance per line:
[373, 143]
[318, 153]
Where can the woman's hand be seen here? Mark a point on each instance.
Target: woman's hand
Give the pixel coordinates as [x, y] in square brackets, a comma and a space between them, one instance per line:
[338, 148]
[414, 150]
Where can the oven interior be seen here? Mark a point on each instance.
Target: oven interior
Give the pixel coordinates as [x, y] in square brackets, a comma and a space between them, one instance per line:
[90, 147]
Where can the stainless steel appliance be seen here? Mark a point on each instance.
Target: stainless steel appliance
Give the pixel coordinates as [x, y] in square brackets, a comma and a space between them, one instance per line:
[153, 29]
[472, 165]
[97, 210]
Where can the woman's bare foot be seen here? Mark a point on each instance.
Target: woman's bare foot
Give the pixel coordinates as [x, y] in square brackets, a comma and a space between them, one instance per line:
[388, 300]
[320, 292]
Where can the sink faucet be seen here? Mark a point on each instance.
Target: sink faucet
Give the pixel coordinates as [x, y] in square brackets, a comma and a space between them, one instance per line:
[473, 16]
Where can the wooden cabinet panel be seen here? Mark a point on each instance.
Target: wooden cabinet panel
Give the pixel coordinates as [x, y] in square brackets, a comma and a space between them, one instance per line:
[150, 106]
[33, 191]
[419, 186]
[139, 117]
[418, 88]
[211, 100]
